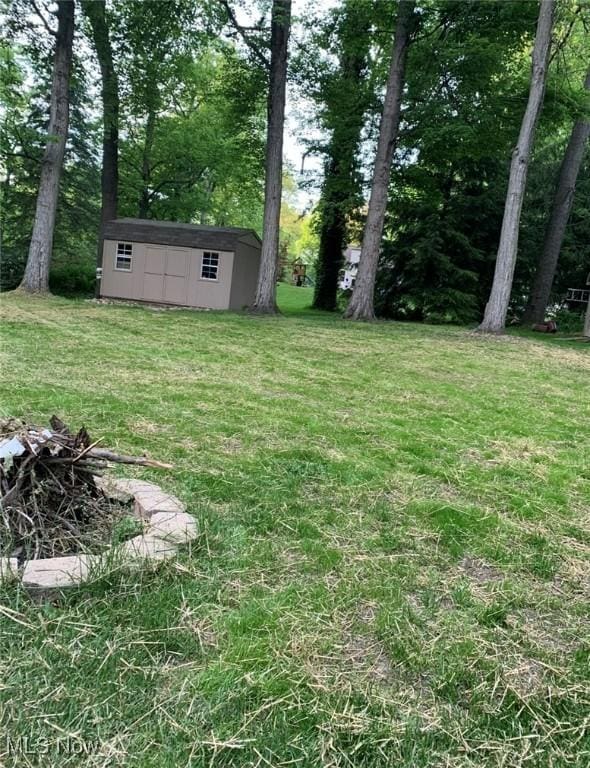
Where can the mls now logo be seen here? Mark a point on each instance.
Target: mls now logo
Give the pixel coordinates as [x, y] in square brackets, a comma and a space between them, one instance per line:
[63, 745]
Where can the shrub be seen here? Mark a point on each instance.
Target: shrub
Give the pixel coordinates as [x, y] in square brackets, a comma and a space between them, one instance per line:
[12, 267]
[568, 321]
[72, 279]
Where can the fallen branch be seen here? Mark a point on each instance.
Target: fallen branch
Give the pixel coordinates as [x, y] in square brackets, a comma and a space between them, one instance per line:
[142, 461]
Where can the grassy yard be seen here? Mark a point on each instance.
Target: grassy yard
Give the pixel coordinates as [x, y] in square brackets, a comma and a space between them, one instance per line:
[394, 566]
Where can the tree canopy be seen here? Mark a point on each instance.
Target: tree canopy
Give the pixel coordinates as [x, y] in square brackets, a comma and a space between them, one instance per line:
[193, 83]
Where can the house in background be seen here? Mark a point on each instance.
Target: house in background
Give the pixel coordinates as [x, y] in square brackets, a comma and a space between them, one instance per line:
[187, 265]
[352, 256]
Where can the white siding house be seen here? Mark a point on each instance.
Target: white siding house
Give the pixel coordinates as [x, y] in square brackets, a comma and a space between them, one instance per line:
[348, 274]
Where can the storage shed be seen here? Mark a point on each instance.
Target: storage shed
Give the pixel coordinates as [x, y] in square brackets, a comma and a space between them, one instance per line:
[186, 265]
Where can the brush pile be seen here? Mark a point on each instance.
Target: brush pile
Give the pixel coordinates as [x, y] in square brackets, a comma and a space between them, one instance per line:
[50, 502]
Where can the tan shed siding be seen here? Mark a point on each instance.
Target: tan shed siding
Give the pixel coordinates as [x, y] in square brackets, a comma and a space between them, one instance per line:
[118, 284]
[246, 265]
[166, 274]
[213, 294]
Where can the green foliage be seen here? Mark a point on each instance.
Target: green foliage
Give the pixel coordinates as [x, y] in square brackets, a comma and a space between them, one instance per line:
[26, 78]
[192, 118]
[568, 321]
[206, 158]
[191, 131]
[467, 83]
[73, 279]
[298, 237]
[339, 73]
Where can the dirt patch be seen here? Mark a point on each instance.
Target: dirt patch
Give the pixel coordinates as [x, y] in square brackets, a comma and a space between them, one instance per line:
[575, 573]
[526, 678]
[357, 662]
[367, 613]
[545, 630]
[231, 445]
[480, 571]
[497, 453]
[146, 427]
[365, 656]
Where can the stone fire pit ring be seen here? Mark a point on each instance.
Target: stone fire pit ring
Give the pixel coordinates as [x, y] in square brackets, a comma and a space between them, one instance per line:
[167, 526]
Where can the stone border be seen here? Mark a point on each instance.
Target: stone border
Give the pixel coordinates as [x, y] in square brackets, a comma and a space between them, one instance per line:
[167, 527]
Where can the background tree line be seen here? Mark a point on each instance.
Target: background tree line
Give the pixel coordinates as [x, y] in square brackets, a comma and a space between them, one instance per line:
[414, 110]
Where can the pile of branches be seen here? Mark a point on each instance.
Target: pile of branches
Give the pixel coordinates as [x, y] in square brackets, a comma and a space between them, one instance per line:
[50, 502]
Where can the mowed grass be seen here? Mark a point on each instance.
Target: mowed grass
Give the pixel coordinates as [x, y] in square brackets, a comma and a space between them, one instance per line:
[394, 565]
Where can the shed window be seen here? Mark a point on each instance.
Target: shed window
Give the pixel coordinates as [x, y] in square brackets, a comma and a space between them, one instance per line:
[209, 265]
[124, 256]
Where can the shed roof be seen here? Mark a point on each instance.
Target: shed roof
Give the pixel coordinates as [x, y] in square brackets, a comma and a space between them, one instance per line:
[176, 233]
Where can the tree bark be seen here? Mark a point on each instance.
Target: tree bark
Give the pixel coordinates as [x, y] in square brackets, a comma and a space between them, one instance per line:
[361, 305]
[496, 310]
[96, 15]
[143, 206]
[36, 277]
[265, 301]
[560, 213]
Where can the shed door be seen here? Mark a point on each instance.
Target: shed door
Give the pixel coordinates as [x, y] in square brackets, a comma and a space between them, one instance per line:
[153, 278]
[166, 274]
[176, 276]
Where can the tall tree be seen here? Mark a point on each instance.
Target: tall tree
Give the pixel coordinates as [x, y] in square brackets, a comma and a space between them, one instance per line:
[361, 304]
[95, 12]
[36, 277]
[560, 213]
[265, 300]
[497, 307]
[345, 97]
[109, 180]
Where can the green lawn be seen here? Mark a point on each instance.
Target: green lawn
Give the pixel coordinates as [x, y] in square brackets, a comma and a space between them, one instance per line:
[394, 567]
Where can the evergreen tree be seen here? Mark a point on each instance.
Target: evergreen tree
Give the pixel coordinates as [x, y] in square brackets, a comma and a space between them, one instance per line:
[345, 94]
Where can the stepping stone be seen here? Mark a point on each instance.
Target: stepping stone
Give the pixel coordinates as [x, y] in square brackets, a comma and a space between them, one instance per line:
[55, 573]
[149, 498]
[145, 548]
[109, 487]
[173, 527]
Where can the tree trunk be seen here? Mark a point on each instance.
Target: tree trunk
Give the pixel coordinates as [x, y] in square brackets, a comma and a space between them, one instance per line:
[143, 207]
[361, 305]
[560, 213]
[494, 319]
[95, 13]
[265, 301]
[36, 277]
[587, 321]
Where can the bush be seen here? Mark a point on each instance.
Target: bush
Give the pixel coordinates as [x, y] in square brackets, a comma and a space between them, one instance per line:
[568, 321]
[12, 267]
[77, 279]
[72, 279]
